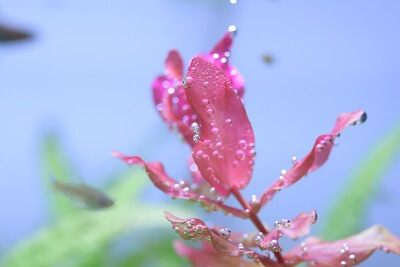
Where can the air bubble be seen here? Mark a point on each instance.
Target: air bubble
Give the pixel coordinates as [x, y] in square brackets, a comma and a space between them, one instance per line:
[228, 121]
[187, 82]
[210, 112]
[225, 233]
[243, 144]
[240, 155]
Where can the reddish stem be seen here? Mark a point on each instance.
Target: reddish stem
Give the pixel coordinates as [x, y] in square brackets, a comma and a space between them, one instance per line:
[254, 218]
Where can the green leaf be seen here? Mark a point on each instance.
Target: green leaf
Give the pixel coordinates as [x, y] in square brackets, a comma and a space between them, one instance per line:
[85, 238]
[348, 213]
[54, 164]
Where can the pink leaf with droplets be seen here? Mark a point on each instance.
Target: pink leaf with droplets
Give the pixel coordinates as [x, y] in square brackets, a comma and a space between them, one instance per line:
[219, 56]
[195, 229]
[316, 157]
[169, 96]
[207, 256]
[346, 252]
[225, 152]
[174, 65]
[298, 227]
[171, 187]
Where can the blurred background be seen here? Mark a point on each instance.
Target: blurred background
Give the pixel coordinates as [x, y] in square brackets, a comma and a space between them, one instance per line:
[80, 87]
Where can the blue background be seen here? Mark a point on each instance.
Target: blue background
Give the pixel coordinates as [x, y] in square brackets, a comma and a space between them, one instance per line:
[87, 75]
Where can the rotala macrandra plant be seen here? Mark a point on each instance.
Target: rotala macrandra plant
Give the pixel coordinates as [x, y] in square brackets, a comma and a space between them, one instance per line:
[206, 108]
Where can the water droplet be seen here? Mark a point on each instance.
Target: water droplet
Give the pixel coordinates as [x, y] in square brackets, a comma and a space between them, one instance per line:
[210, 170]
[206, 157]
[199, 154]
[343, 263]
[187, 82]
[353, 257]
[200, 229]
[228, 122]
[294, 160]
[232, 28]
[186, 191]
[210, 112]
[176, 187]
[215, 55]
[225, 233]
[196, 138]
[205, 102]
[243, 144]
[207, 143]
[195, 127]
[235, 163]
[171, 90]
[212, 190]
[206, 84]
[219, 146]
[315, 219]
[259, 237]
[193, 167]
[159, 106]
[277, 224]
[241, 248]
[215, 154]
[215, 131]
[363, 118]
[274, 246]
[283, 171]
[223, 60]
[286, 223]
[240, 155]
[220, 199]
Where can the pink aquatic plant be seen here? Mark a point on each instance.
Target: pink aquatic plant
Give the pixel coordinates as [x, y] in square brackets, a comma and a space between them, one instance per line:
[207, 109]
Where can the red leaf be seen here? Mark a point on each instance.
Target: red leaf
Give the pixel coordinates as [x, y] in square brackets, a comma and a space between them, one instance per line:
[171, 187]
[298, 227]
[316, 157]
[346, 252]
[174, 65]
[225, 152]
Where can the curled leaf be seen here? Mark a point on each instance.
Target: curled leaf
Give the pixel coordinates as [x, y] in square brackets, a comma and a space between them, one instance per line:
[346, 252]
[175, 189]
[316, 157]
[298, 227]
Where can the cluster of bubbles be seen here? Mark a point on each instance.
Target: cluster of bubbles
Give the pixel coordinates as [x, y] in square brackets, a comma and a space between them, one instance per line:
[283, 223]
[326, 140]
[181, 187]
[197, 131]
[258, 238]
[273, 246]
[192, 230]
[351, 258]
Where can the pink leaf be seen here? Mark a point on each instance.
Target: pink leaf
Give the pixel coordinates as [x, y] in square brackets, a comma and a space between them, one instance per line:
[195, 229]
[219, 57]
[316, 157]
[174, 65]
[298, 227]
[171, 187]
[347, 252]
[207, 256]
[225, 152]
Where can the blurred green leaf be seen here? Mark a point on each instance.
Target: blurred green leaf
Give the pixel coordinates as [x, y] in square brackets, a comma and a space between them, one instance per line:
[55, 164]
[347, 215]
[85, 238]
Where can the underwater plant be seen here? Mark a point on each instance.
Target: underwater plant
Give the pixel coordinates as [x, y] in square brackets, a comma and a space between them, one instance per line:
[206, 108]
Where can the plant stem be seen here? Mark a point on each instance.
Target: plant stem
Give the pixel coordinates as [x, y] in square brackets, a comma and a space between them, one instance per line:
[254, 218]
